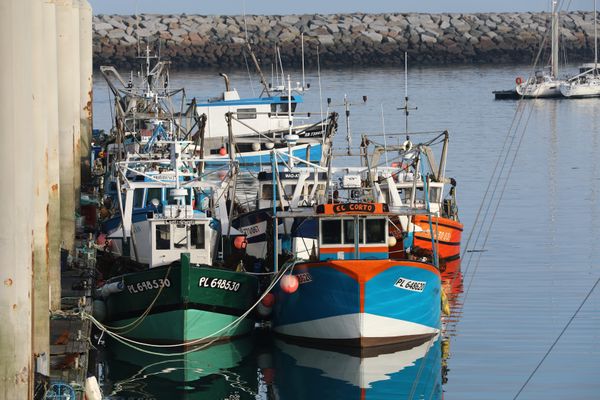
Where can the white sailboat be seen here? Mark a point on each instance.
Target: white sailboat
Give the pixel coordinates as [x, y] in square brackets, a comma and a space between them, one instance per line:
[544, 84]
[587, 82]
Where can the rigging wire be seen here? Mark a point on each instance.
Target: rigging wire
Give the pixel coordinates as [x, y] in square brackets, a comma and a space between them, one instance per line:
[556, 340]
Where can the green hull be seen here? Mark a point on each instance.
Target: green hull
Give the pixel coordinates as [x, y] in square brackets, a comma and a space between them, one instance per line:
[180, 304]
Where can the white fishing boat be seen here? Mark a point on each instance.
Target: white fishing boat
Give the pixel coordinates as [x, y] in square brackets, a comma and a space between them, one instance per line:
[252, 127]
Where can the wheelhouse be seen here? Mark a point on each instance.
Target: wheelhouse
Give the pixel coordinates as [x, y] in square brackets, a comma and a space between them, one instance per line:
[353, 231]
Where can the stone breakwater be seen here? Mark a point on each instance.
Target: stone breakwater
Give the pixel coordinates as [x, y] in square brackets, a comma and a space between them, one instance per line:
[342, 40]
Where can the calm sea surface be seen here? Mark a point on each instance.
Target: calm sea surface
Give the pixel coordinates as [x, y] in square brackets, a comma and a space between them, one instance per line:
[529, 196]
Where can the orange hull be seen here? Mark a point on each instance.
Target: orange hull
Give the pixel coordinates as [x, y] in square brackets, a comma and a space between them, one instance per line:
[447, 236]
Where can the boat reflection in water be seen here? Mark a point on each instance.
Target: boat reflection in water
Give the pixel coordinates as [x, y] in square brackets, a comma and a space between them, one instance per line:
[221, 371]
[403, 373]
[258, 367]
[452, 285]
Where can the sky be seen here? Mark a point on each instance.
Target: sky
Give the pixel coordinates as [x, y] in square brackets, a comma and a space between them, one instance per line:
[236, 7]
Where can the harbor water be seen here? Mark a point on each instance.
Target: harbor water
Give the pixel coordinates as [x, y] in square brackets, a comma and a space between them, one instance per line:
[528, 188]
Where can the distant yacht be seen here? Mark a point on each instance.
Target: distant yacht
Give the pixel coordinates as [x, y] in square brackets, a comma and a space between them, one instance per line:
[587, 82]
[544, 84]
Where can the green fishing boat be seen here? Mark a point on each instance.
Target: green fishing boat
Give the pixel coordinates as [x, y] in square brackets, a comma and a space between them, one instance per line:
[185, 303]
[187, 285]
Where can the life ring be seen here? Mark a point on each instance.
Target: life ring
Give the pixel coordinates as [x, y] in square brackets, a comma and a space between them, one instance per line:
[519, 80]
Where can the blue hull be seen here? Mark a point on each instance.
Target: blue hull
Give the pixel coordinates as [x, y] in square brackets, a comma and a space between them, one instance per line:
[361, 303]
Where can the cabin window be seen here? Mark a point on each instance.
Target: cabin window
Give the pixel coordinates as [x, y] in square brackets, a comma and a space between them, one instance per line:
[163, 237]
[349, 226]
[435, 194]
[138, 198]
[375, 230]
[246, 113]
[267, 192]
[153, 193]
[406, 195]
[180, 236]
[198, 236]
[284, 106]
[331, 231]
[289, 190]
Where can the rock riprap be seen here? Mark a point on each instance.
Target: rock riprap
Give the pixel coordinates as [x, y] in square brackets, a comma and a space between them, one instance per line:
[341, 39]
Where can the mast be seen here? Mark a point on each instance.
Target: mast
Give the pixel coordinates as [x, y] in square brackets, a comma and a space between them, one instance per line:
[406, 109]
[554, 60]
[595, 39]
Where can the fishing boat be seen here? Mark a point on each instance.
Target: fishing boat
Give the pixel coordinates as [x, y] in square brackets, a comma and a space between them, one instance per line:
[298, 188]
[252, 127]
[184, 283]
[420, 182]
[348, 291]
[351, 292]
[587, 82]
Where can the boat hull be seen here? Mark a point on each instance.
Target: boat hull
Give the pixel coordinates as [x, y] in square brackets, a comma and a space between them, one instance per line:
[447, 237]
[590, 89]
[307, 152]
[182, 304]
[539, 90]
[360, 303]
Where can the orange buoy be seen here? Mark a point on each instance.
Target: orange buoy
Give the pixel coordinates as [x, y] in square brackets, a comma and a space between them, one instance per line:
[240, 242]
[265, 307]
[223, 151]
[289, 283]
[268, 300]
[519, 80]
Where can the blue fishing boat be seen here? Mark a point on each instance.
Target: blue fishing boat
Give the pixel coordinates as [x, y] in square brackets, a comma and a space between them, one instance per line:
[253, 127]
[350, 292]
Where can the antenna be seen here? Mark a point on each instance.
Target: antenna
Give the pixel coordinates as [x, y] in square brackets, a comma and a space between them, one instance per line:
[595, 39]
[384, 136]
[302, 46]
[280, 65]
[406, 108]
[348, 136]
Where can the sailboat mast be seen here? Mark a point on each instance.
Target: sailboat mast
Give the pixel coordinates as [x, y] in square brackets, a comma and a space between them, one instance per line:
[554, 66]
[595, 39]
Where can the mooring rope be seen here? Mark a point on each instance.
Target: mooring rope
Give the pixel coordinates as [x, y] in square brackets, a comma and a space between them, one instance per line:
[136, 345]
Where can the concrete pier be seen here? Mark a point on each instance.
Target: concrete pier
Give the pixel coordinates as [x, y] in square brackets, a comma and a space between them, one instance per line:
[40, 110]
[68, 118]
[39, 142]
[85, 86]
[51, 90]
[17, 199]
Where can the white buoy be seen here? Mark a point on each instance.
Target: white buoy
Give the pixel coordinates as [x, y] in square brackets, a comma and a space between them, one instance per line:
[67, 119]
[392, 241]
[92, 389]
[16, 197]
[51, 90]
